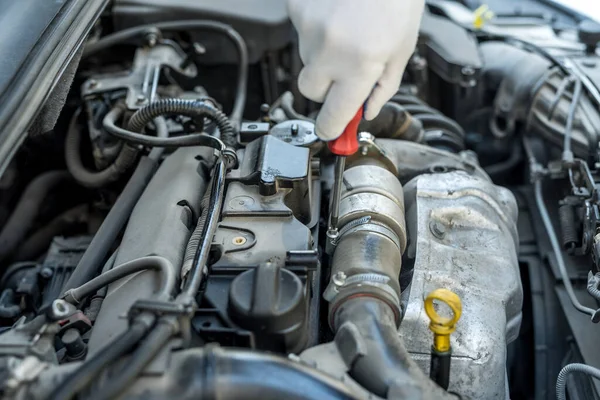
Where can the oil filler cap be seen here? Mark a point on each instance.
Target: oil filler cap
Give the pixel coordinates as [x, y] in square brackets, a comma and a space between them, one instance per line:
[269, 300]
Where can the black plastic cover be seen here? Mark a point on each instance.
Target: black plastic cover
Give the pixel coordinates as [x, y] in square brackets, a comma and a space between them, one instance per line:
[264, 24]
[452, 52]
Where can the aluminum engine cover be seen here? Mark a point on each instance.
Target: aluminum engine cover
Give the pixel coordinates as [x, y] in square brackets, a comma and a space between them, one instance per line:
[473, 252]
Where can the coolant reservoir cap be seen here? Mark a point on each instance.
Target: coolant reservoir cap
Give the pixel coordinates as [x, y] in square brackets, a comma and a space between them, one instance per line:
[267, 299]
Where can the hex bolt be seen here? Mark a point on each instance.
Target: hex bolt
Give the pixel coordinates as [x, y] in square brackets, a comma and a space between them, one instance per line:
[339, 279]
[92, 83]
[59, 309]
[437, 229]
[467, 71]
[46, 273]
[140, 99]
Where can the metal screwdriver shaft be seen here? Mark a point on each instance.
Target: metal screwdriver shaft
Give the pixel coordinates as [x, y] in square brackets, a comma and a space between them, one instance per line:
[343, 146]
[334, 213]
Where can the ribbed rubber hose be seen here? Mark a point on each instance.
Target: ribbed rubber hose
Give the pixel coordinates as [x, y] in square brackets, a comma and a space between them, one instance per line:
[197, 139]
[190, 108]
[561, 381]
[94, 179]
[26, 211]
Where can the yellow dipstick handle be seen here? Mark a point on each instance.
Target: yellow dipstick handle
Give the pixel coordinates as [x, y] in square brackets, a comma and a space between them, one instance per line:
[442, 327]
[481, 16]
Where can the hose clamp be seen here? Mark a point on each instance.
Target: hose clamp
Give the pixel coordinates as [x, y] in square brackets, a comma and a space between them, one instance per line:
[340, 282]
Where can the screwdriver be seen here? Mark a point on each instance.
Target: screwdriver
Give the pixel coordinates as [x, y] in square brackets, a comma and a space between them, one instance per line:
[345, 145]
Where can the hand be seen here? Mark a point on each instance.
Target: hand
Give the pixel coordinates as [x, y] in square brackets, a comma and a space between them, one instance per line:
[353, 50]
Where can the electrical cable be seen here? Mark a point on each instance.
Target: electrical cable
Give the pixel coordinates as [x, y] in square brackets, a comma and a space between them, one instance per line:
[199, 267]
[561, 381]
[127, 35]
[199, 139]
[76, 295]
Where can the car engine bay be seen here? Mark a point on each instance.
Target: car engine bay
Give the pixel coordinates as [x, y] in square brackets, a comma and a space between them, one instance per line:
[167, 236]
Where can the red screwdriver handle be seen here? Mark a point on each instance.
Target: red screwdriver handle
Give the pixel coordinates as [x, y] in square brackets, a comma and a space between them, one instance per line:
[347, 143]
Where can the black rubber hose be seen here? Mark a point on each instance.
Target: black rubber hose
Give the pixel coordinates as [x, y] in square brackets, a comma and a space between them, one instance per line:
[90, 369]
[76, 295]
[9, 311]
[384, 360]
[406, 99]
[287, 105]
[127, 35]
[503, 167]
[40, 240]
[94, 179]
[135, 365]
[27, 208]
[430, 121]
[109, 123]
[117, 217]
[97, 299]
[394, 122]
[215, 204]
[420, 109]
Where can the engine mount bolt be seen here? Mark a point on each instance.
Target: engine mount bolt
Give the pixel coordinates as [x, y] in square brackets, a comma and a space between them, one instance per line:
[239, 240]
[141, 99]
[339, 279]
[438, 229]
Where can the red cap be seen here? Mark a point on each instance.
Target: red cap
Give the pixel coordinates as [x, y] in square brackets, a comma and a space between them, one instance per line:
[347, 143]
